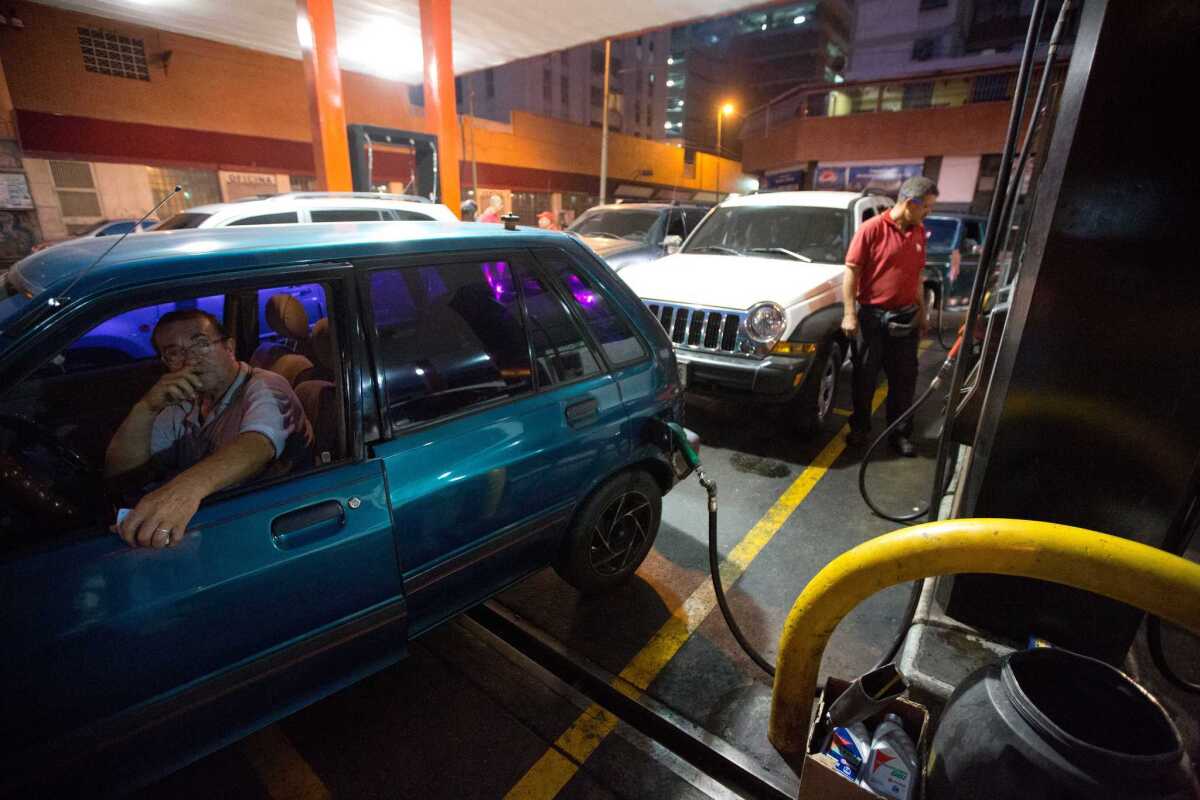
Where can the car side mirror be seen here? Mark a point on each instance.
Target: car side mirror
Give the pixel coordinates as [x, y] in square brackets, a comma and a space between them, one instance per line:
[672, 242]
[972, 247]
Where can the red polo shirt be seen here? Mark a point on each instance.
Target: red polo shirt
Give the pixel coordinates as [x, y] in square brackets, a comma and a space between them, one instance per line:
[889, 262]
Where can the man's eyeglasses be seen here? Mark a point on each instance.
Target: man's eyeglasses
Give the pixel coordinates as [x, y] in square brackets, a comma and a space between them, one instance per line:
[201, 346]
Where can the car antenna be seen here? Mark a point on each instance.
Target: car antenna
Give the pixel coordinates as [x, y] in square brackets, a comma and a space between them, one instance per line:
[59, 300]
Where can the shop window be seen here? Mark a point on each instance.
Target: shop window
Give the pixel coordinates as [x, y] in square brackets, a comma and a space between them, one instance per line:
[111, 53]
[489, 83]
[200, 187]
[564, 86]
[416, 95]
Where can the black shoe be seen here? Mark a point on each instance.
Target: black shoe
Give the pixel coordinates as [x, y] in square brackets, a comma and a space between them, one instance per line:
[858, 438]
[904, 446]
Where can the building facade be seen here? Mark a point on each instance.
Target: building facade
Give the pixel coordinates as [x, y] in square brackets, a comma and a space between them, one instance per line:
[107, 137]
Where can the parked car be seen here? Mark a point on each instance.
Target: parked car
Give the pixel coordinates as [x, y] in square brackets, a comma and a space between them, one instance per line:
[305, 207]
[630, 233]
[753, 301]
[108, 227]
[946, 233]
[482, 400]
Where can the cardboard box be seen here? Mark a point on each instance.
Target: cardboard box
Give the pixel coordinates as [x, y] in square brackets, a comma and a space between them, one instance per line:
[818, 778]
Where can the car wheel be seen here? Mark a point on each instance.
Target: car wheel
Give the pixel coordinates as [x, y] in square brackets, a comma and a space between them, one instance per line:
[612, 533]
[819, 392]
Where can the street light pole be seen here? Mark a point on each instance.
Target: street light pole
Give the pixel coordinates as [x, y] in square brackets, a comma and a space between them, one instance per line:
[720, 119]
[604, 125]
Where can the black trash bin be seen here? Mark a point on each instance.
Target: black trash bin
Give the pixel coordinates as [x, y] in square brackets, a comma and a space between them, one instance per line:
[1049, 723]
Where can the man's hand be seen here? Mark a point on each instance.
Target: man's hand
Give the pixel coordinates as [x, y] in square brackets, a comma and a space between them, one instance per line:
[174, 387]
[161, 518]
[922, 319]
[850, 325]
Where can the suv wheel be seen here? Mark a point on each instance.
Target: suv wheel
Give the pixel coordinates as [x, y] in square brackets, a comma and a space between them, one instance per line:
[612, 533]
[815, 402]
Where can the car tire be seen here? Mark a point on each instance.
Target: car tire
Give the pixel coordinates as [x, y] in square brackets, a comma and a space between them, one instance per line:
[814, 404]
[611, 533]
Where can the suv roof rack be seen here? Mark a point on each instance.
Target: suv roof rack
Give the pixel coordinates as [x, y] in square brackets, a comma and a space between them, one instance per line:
[412, 198]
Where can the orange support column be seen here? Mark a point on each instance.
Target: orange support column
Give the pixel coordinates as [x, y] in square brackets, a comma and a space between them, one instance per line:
[436, 45]
[327, 109]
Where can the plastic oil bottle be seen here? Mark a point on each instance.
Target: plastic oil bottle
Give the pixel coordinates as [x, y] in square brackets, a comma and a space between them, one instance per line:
[891, 767]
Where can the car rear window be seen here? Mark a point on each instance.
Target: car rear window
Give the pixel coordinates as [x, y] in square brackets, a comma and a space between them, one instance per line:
[188, 219]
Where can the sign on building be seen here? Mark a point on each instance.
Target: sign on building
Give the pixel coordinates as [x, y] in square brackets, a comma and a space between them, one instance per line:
[236, 185]
[14, 191]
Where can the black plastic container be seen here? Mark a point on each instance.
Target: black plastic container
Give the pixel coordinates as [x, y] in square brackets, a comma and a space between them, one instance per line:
[1050, 723]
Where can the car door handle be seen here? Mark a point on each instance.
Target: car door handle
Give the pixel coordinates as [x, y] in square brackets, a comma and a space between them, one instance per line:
[308, 524]
[582, 411]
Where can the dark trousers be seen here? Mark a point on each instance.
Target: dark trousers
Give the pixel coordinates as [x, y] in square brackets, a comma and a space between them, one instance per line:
[897, 357]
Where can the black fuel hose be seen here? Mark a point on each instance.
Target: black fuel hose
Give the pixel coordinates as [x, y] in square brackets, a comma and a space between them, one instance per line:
[1178, 537]
[714, 568]
[934, 385]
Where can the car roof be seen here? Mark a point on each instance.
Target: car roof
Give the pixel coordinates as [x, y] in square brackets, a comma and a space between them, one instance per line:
[817, 199]
[150, 256]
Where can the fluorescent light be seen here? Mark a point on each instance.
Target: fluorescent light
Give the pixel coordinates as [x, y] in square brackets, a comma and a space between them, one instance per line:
[670, 61]
[304, 32]
[764, 26]
[378, 52]
[800, 20]
[670, 84]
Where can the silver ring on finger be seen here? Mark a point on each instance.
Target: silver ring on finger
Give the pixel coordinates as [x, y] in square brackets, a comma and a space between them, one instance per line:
[163, 535]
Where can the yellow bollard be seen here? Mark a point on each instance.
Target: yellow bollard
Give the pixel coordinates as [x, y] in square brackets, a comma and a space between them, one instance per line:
[1162, 584]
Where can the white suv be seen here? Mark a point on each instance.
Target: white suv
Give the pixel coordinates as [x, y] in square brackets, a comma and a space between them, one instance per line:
[304, 207]
[753, 300]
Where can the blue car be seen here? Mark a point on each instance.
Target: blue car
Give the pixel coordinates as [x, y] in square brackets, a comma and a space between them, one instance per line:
[484, 403]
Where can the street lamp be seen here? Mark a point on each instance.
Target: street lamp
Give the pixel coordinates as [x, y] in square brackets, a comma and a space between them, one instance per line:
[725, 110]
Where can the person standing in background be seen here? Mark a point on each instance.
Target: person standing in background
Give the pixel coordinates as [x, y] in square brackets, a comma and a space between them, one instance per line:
[883, 276]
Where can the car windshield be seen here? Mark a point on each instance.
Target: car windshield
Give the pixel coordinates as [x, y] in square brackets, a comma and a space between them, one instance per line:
[188, 219]
[787, 232]
[940, 233]
[616, 224]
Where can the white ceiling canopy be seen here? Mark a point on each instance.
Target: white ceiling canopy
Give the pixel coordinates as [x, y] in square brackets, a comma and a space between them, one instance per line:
[383, 37]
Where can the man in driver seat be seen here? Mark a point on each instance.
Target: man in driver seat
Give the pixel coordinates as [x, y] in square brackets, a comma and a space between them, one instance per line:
[209, 423]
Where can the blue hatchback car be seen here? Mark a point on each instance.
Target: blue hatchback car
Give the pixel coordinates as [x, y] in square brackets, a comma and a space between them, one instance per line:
[483, 403]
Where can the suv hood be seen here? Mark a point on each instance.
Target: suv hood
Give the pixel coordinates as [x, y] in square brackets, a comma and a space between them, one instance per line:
[738, 282]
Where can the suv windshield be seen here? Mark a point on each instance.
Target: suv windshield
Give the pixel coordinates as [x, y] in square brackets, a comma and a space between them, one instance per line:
[813, 234]
[188, 219]
[616, 224]
[940, 233]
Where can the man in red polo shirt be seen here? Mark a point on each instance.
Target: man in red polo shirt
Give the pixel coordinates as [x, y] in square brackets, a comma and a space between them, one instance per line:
[883, 274]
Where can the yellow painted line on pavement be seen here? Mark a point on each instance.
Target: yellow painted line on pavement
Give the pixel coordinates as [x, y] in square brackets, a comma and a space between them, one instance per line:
[551, 772]
[283, 771]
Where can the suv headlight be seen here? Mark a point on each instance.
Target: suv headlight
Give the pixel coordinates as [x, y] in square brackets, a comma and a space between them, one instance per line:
[765, 323]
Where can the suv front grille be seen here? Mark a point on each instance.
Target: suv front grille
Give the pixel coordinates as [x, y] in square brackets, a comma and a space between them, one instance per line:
[699, 328]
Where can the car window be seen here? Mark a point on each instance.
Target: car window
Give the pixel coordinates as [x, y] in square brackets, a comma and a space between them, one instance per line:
[818, 234]
[407, 216]
[610, 329]
[973, 230]
[268, 219]
[188, 219]
[116, 229]
[940, 233]
[675, 226]
[559, 348]
[616, 223]
[124, 338]
[345, 215]
[450, 338]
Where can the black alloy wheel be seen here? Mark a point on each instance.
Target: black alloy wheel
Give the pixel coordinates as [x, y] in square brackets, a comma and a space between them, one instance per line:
[620, 532]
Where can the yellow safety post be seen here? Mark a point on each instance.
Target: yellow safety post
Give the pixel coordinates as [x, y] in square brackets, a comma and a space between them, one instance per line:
[1162, 584]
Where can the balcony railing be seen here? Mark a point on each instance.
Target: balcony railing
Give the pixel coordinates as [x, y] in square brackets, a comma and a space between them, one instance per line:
[845, 99]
